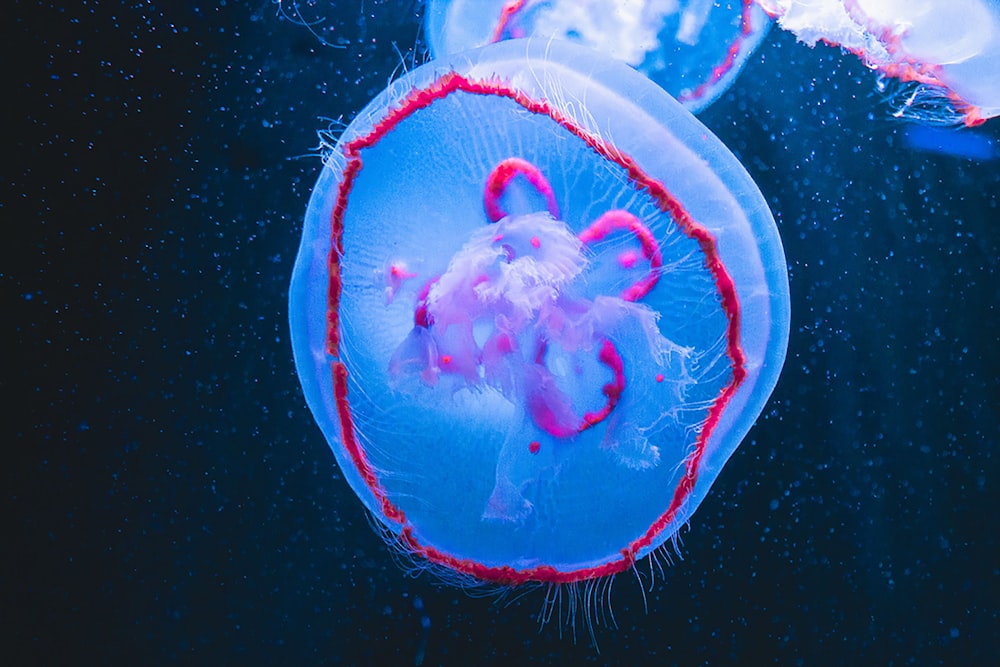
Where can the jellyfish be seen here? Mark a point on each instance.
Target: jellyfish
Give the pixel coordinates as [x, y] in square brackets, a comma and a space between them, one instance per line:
[948, 51]
[536, 307]
[694, 49]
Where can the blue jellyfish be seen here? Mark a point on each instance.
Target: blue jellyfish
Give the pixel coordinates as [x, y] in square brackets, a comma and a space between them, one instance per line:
[536, 307]
[948, 51]
[694, 49]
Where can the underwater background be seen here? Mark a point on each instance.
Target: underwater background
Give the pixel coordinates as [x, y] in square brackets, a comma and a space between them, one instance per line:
[168, 497]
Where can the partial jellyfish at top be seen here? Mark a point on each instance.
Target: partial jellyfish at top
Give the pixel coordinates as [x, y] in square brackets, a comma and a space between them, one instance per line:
[536, 307]
[949, 52]
[693, 49]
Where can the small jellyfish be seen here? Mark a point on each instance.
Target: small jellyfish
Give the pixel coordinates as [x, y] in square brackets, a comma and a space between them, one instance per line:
[536, 307]
[693, 49]
[950, 51]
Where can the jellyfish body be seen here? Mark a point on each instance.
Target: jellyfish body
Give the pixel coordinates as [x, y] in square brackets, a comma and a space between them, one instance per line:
[950, 49]
[694, 49]
[536, 307]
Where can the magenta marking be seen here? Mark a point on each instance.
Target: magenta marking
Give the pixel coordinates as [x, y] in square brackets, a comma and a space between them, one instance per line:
[501, 177]
[541, 404]
[628, 259]
[506, 13]
[623, 220]
[420, 316]
[732, 53]
[396, 276]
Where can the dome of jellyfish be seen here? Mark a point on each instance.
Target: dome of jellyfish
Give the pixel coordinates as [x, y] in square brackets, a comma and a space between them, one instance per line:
[536, 307]
[948, 51]
[694, 49]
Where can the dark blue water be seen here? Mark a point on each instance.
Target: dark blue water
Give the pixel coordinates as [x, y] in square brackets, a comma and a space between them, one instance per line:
[168, 498]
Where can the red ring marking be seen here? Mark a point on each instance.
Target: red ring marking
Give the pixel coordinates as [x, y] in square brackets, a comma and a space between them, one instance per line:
[609, 356]
[621, 219]
[500, 178]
